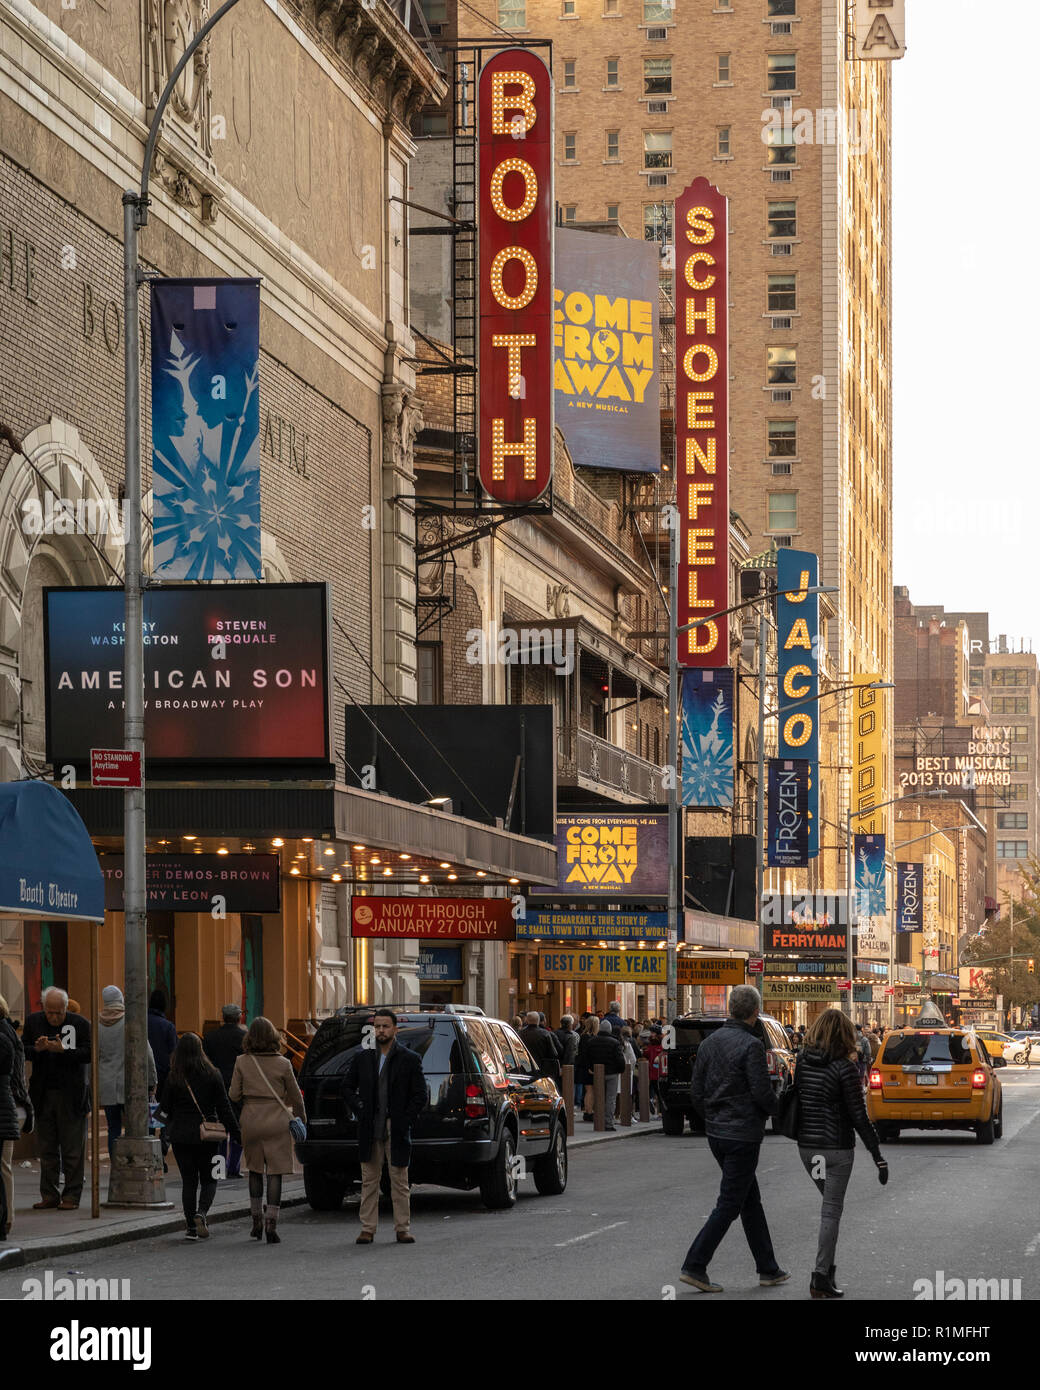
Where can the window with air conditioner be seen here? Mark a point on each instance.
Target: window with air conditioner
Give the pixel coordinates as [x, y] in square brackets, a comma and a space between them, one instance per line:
[570, 72]
[657, 180]
[722, 68]
[657, 108]
[783, 438]
[612, 72]
[570, 146]
[781, 248]
[782, 366]
[657, 149]
[781, 176]
[657, 77]
[780, 147]
[512, 14]
[783, 511]
[780, 72]
[781, 294]
[781, 469]
[613, 144]
[657, 223]
[782, 220]
[722, 149]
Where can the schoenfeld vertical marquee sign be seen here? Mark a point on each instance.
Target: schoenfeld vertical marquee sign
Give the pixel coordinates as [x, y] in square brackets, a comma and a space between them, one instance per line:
[515, 450]
[702, 421]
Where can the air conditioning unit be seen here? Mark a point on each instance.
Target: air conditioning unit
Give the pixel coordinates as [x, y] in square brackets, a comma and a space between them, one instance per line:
[436, 29]
[782, 542]
[781, 248]
[656, 35]
[782, 468]
[657, 181]
[781, 175]
[781, 103]
[781, 398]
[657, 108]
[778, 28]
[781, 323]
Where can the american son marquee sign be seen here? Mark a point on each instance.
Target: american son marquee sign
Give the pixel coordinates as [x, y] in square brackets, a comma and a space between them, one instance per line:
[702, 420]
[515, 277]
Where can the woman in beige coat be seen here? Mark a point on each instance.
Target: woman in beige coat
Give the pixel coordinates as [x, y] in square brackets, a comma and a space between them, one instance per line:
[264, 1086]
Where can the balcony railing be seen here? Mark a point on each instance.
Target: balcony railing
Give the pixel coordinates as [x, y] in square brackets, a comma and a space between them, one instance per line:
[586, 760]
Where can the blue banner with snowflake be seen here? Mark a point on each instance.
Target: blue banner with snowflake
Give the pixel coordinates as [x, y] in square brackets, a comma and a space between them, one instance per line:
[205, 339]
[870, 875]
[707, 737]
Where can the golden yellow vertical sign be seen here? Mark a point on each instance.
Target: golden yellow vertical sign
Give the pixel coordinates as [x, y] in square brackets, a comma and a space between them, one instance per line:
[868, 755]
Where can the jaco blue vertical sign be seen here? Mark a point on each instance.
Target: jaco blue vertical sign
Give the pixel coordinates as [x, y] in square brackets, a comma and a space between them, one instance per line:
[798, 628]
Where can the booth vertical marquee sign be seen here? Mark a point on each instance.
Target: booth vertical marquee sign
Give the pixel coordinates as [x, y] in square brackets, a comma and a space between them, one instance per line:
[702, 420]
[515, 123]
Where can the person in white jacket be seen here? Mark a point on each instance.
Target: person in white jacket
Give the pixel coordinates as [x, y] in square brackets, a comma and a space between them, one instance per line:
[112, 1061]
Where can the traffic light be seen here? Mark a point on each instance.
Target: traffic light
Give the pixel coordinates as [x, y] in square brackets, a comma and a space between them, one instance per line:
[1030, 964]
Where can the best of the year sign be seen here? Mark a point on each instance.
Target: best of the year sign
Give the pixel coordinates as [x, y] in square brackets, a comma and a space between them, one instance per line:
[650, 967]
[702, 420]
[515, 123]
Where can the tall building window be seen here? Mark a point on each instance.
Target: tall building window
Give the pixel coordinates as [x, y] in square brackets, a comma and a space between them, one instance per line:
[782, 296]
[780, 146]
[1009, 704]
[613, 212]
[781, 365]
[781, 72]
[783, 511]
[657, 149]
[658, 11]
[436, 11]
[1019, 733]
[569, 7]
[433, 123]
[570, 214]
[612, 72]
[613, 144]
[783, 220]
[1012, 849]
[429, 673]
[512, 14]
[657, 77]
[722, 68]
[783, 439]
[975, 675]
[1013, 820]
[570, 72]
[611, 6]
[1009, 675]
[570, 145]
[1019, 762]
[722, 142]
[779, 7]
[657, 222]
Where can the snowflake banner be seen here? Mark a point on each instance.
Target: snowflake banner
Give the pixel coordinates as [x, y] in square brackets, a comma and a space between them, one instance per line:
[870, 875]
[707, 737]
[206, 429]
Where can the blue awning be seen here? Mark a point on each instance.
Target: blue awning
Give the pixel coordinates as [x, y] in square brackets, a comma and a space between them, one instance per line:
[48, 867]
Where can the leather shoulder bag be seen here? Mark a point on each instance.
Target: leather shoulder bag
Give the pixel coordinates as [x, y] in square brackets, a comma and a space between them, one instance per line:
[210, 1131]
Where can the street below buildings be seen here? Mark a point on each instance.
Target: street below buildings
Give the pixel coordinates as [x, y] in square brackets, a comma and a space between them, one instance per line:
[953, 1209]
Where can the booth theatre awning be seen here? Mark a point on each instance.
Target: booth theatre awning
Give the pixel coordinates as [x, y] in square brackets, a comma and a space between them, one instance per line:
[48, 867]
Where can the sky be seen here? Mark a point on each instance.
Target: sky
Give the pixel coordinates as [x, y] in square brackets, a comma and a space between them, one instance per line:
[966, 307]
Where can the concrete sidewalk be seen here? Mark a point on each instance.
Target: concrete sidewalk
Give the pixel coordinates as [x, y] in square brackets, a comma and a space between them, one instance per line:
[53, 1235]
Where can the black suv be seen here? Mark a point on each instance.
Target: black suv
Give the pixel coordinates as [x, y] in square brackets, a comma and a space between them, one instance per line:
[489, 1107]
[677, 1066]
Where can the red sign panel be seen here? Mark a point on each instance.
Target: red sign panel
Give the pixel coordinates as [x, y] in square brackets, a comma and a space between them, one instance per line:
[114, 767]
[756, 965]
[515, 121]
[451, 919]
[702, 420]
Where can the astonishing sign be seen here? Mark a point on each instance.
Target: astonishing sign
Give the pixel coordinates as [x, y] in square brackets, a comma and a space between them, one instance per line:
[454, 919]
[206, 429]
[868, 754]
[786, 990]
[611, 855]
[798, 660]
[908, 896]
[787, 827]
[606, 341]
[870, 875]
[563, 925]
[815, 922]
[515, 123]
[647, 967]
[232, 674]
[702, 420]
[710, 970]
[880, 29]
[190, 882]
[707, 737]
[441, 963]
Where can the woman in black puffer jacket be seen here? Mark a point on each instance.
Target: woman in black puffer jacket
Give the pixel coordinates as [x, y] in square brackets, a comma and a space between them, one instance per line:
[830, 1114]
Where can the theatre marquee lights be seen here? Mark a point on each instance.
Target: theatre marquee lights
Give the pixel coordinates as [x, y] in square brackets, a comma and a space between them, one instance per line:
[702, 420]
[515, 449]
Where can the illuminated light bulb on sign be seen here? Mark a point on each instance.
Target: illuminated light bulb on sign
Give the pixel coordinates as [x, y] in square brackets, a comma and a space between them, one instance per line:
[527, 449]
[530, 265]
[498, 202]
[524, 104]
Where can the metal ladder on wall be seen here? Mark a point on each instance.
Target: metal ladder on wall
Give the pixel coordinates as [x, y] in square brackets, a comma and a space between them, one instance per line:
[464, 267]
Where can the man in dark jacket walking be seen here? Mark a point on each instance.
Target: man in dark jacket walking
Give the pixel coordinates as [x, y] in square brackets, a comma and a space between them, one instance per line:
[568, 1040]
[57, 1047]
[385, 1088]
[543, 1046]
[223, 1047]
[732, 1091]
[604, 1048]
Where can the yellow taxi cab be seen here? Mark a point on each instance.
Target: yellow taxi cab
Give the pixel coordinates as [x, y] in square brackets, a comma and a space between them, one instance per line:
[931, 1076]
[996, 1044]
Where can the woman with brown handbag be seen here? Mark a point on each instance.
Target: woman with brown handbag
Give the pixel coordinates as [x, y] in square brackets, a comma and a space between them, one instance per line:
[198, 1120]
[264, 1086]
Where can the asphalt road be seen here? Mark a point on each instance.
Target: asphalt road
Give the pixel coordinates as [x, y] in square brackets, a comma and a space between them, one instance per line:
[622, 1228]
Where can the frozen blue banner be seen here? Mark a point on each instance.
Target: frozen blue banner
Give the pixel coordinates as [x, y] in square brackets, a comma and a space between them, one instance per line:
[870, 875]
[908, 901]
[205, 429]
[707, 737]
[798, 673]
[787, 832]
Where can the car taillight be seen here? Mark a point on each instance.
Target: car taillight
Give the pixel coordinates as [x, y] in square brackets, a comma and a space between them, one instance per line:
[771, 1063]
[978, 1080]
[875, 1080]
[476, 1106]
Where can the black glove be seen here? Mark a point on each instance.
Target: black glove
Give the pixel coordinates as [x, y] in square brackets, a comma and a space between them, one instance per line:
[882, 1170]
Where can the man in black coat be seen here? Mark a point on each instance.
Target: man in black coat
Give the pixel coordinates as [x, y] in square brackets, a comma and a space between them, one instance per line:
[223, 1047]
[57, 1047]
[385, 1088]
[543, 1046]
[732, 1090]
[604, 1049]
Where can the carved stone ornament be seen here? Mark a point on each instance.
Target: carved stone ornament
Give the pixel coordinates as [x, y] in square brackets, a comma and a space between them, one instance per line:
[178, 183]
[170, 26]
[402, 421]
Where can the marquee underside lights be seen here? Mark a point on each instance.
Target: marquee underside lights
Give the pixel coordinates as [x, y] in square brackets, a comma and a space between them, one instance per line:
[515, 178]
[702, 420]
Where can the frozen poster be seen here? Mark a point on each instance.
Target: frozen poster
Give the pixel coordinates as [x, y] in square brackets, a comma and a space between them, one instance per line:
[707, 737]
[205, 340]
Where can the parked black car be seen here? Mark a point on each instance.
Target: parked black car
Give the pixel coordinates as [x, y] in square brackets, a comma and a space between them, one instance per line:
[488, 1107]
[677, 1069]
